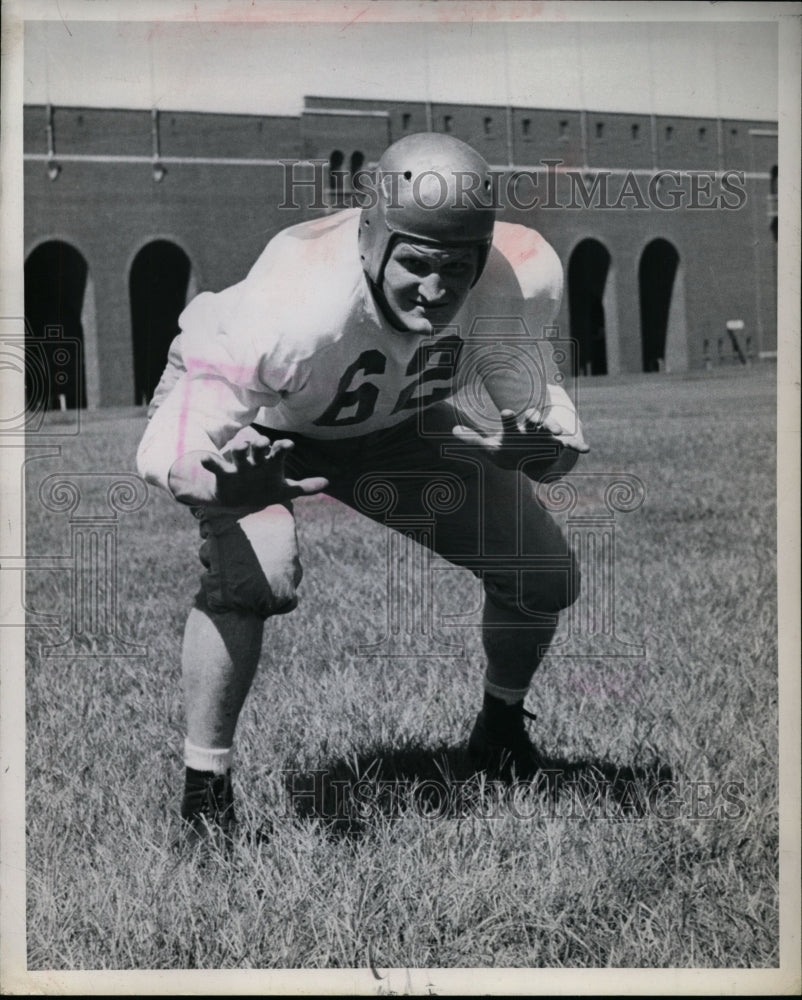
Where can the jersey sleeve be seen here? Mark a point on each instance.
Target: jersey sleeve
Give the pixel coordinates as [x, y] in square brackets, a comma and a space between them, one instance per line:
[228, 371]
[173, 371]
[503, 366]
[538, 273]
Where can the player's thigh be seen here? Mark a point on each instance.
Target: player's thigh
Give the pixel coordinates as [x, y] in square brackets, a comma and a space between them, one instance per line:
[473, 514]
[492, 514]
[531, 567]
[250, 559]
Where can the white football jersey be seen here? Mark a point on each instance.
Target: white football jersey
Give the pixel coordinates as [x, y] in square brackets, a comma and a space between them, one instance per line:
[300, 345]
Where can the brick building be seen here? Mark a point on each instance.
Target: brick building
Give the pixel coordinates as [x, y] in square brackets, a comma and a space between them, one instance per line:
[666, 226]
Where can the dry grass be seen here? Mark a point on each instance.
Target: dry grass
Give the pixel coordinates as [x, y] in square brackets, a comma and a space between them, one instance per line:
[355, 876]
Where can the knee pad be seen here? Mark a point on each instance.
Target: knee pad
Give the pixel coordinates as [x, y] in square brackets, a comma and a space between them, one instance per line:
[238, 578]
[540, 591]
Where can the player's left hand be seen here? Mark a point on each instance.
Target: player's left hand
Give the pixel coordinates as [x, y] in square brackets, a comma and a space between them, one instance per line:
[254, 474]
[536, 441]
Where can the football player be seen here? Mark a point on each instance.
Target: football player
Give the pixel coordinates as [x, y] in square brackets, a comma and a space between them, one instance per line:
[350, 333]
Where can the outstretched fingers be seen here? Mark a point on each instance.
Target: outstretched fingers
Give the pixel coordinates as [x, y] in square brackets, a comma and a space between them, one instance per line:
[305, 487]
[292, 488]
[509, 423]
[469, 436]
[278, 449]
[548, 424]
[217, 465]
[260, 450]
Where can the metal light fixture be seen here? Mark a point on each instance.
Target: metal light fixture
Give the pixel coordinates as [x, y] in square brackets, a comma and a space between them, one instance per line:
[53, 168]
[159, 169]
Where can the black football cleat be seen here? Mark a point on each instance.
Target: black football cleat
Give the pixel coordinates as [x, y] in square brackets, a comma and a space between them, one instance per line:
[207, 809]
[499, 743]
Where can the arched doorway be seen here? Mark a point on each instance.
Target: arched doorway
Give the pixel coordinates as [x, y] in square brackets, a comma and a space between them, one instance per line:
[661, 308]
[55, 296]
[357, 162]
[336, 178]
[158, 285]
[588, 271]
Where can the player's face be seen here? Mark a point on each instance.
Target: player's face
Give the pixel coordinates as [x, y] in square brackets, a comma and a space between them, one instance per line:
[425, 286]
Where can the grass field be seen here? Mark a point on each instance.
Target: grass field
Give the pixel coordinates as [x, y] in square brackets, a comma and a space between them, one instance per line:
[603, 869]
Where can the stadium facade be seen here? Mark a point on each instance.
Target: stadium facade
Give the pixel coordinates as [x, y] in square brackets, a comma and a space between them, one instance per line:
[666, 226]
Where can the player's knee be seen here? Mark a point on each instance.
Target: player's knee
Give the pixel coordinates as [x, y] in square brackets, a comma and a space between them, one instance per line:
[562, 587]
[533, 590]
[236, 579]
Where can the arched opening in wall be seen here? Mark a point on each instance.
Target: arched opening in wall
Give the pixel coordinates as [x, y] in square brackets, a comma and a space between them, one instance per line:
[55, 293]
[588, 270]
[356, 182]
[357, 161]
[336, 173]
[158, 286]
[658, 269]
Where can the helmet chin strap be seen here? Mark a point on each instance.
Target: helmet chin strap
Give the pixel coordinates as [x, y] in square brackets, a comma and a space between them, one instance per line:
[384, 307]
[381, 301]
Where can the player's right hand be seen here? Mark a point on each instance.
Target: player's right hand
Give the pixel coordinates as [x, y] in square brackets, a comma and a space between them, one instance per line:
[254, 475]
[537, 439]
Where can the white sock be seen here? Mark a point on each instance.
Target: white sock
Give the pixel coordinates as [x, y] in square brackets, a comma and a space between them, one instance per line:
[208, 758]
[508, 695]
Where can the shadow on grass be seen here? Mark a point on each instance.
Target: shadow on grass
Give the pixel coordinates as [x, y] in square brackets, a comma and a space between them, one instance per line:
[350, 794]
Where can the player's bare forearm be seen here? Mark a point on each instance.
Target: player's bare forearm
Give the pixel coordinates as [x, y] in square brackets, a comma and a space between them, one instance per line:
[253, 476]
